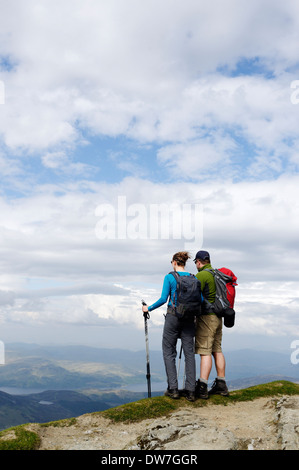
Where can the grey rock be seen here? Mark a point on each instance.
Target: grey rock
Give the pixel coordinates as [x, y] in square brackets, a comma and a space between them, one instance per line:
[181, 431]
[288, 422]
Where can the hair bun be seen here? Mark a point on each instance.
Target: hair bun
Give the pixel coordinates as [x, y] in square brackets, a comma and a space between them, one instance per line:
[181, 257]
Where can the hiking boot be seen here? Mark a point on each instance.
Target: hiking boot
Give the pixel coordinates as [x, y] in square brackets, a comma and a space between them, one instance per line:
[190, 396]
[219, 388]
[172, 393]
[201, 390]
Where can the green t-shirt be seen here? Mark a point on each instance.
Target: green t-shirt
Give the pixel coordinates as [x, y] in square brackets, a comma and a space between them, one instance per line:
[208, 286]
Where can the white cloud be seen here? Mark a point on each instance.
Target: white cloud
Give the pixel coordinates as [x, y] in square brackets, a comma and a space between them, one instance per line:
[149, 71]
[196, 159]
[173, 75]
[57, 270]
[270, 307]
[54, 159]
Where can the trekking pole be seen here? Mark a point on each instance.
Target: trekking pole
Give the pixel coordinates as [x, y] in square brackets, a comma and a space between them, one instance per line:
[180, 357]
[179, 365]
[148, 373]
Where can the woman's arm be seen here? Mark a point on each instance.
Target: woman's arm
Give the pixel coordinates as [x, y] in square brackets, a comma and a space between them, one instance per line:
[164, 295]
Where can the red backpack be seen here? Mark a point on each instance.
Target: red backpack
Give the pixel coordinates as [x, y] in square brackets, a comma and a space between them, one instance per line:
[230, 286]
[225, 282]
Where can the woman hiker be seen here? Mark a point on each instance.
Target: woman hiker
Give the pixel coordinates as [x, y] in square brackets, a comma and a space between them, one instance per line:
[175, 328]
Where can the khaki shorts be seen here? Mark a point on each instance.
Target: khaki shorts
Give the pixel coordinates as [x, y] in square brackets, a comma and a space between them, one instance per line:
[208, 335]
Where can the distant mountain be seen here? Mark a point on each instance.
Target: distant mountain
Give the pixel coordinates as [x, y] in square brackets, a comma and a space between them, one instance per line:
[52, 405]
[127, 359]
[83, 368]
[39, 373]
[44, 407]
[251, 363]
[239, 384]
[80, 379]
[75, 367]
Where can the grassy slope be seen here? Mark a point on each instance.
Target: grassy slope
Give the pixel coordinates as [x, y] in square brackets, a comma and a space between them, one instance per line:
[19, 438]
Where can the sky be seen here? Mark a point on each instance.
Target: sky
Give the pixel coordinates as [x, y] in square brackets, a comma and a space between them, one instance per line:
[132, 130]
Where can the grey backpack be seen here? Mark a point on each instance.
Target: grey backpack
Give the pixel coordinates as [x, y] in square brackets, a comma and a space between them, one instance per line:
[188, 297]
[225, 296]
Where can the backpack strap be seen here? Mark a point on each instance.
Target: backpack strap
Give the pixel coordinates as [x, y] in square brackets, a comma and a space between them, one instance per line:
[224, 276]
[175, 274]
[212, 271]
[172, 308]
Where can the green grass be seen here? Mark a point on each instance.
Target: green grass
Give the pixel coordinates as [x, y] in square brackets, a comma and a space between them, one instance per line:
[22, 439]
[19, 438]
[61, 423]
[161, 406]
[142, 409]
[277, 388]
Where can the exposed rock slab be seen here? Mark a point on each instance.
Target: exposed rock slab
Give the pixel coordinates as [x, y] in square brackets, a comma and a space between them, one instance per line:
[182, 431]
[261, 424]
[288, 422]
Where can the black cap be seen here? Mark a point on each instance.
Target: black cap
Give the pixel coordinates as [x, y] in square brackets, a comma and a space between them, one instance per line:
[202, 255]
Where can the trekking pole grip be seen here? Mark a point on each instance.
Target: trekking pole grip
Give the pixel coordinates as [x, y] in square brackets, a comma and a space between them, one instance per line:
[145, 314]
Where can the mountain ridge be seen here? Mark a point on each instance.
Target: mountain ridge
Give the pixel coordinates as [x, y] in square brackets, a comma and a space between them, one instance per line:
[83, 369]
[263, 417]
[69, 367]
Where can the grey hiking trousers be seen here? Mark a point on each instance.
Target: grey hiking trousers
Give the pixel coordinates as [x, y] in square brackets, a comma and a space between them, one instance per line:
[175, 328]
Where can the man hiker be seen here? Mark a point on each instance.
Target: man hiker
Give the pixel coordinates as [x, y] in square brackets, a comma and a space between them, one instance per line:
[208, 336]
[175, 328]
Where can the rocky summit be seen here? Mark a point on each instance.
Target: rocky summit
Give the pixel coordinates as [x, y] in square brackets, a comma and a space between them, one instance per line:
[262, 423]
